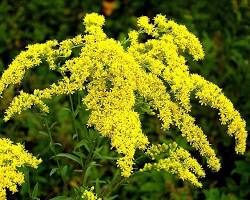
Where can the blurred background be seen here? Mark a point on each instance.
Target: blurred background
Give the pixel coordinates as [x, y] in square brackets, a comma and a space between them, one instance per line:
[224, 29]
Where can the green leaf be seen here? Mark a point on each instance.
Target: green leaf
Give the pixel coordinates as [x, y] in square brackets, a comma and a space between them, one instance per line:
[53, 171]
[88, 171]
[212, 194]
[44, 133]
[112, 197]
[66, 109]
[53, 125]
[58, 144]
[35, 191]
[80, 154]
[82, 143]
[64, 171]
[69, 156]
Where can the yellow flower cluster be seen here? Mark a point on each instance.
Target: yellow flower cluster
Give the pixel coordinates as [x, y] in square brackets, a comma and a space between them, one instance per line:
[114, 76]
[210, 94]
[175, 160]
[33, 56]
[12, 157]
[90, 195]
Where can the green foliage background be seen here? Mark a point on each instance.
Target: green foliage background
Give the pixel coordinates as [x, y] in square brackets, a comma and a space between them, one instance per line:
[224, 29]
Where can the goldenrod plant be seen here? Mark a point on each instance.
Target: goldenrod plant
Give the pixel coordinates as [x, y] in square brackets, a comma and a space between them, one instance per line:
[150, 64]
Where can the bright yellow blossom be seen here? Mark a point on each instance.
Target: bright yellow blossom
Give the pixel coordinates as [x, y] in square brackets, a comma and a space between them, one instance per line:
[12, 157]
[143, 23]
[114, 76]
[90, 195]
[178, 162]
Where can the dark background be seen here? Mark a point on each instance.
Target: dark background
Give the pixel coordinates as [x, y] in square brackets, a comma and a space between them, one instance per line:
[223, 27]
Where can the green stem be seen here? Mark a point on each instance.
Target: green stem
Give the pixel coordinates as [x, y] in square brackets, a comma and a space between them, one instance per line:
[27, 176]
[114, 185]
[52, 147]
[73, 117]
[51, 143]
[86, 164]
[75, 129]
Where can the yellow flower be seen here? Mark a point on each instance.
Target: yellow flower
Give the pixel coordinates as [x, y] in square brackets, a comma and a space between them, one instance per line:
[90, 195]
[114, 76]
[12, 157]
[94, 19]
[143, 23]
[178, 162]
